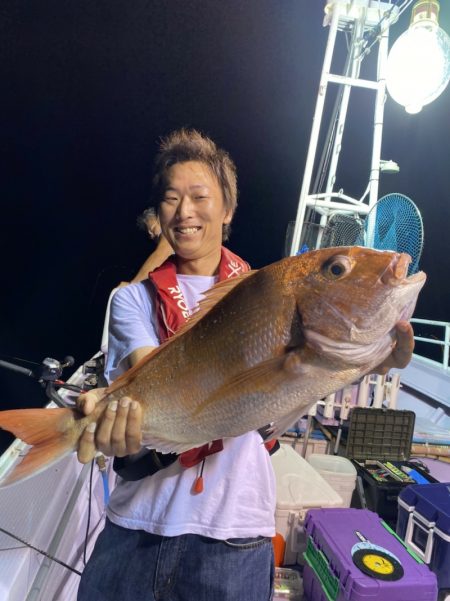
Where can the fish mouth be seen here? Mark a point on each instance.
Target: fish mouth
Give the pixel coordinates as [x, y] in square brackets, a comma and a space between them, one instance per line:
[406, 291]
[397, 270]
[396, 273]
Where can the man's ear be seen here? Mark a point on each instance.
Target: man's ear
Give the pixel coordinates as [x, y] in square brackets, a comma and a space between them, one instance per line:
[228, 217]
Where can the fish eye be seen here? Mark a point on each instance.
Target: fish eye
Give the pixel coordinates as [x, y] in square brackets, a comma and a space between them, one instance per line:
[337, 267]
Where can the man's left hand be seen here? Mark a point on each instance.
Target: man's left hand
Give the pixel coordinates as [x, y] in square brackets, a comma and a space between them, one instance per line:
[402, 351]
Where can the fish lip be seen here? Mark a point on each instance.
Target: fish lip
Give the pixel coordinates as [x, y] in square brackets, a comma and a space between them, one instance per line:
[396, 272]
[416, 277]
[415, 281]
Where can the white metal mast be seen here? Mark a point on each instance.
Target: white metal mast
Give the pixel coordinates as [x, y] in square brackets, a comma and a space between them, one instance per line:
[359, 16]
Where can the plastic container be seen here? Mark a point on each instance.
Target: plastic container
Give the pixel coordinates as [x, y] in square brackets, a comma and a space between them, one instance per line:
[288, 585]
[424, 524]
[377, 437]
[353, 556]
[339, 472]
[299, 488]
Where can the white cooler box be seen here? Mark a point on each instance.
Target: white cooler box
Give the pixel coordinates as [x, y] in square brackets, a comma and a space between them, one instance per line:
[339, 472]
[299, 488]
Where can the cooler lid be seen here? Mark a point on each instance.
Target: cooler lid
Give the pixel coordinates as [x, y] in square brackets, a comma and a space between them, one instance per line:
[431, 501]
[382, 434]
[333, 534]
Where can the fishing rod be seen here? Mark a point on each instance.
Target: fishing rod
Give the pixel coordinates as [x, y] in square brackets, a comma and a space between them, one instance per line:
[49, 374]
[42, 552]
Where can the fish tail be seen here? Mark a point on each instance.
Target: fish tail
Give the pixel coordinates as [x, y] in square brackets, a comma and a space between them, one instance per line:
[53, 433]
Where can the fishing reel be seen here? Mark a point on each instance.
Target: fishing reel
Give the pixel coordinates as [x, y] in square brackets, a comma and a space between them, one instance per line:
[49, 374]
[50, 378]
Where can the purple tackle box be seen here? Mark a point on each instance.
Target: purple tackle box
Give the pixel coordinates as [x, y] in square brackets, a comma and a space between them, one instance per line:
[352, 555]
[424, 524]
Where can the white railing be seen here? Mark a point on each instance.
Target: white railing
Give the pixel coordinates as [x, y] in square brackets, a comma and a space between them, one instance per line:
[442, 342]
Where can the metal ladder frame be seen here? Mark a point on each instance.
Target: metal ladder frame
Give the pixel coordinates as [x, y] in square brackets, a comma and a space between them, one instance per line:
[361, 16]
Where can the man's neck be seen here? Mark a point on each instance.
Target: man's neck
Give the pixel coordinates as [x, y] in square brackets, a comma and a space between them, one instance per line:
[208, 265]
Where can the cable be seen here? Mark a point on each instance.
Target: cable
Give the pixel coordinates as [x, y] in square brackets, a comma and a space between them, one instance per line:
[89, 513]
[8, 358]
[105, 487]
[65, 565]
[377, 30]
[71, 387]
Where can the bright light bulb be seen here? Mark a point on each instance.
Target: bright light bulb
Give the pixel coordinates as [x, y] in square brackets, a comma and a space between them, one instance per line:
[418, 67]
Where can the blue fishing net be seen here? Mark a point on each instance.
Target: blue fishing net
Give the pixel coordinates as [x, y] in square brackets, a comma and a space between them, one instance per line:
[395, 223]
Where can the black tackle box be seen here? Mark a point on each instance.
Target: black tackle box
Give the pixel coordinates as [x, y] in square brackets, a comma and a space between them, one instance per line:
[379, 446]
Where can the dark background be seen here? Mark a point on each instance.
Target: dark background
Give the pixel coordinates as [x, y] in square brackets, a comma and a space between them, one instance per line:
[87, 89]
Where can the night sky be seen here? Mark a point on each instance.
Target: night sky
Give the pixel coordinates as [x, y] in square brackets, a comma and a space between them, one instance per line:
[88, 88]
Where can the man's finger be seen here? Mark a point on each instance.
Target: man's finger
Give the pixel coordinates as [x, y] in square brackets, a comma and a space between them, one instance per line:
[402, 351]
[405, 345]
[104, 429]
[118, 442]
[86, 446]
[86, 402]
[133, 429]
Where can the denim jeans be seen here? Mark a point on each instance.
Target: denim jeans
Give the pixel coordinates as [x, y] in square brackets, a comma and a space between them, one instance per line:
[132, 565]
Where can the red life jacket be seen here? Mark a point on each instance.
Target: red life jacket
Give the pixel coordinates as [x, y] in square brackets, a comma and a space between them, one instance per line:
[171, 308]
[172, 312]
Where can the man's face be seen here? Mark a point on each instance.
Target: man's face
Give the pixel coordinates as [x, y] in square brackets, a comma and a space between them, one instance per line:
[192, 210]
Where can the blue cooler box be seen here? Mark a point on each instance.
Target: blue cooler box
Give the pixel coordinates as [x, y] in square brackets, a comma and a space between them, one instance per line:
[424, 524]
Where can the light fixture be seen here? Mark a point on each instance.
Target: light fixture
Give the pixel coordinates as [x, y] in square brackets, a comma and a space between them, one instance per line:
[418, 65]
[389, 166]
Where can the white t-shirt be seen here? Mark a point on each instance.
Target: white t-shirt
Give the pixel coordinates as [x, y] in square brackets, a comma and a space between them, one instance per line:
[238, 499]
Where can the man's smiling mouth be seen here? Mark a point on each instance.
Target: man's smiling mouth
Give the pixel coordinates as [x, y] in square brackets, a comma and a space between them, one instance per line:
[187, 230]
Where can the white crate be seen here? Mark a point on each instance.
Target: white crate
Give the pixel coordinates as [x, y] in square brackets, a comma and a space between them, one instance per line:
[339, 472]
[299, 488]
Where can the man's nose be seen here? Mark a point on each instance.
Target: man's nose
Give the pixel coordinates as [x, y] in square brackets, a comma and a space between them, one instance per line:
[185, 207]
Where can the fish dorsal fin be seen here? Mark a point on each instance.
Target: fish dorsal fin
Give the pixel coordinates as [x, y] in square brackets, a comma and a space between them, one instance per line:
[211, 298]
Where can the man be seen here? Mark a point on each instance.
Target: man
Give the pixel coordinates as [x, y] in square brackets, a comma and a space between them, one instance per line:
[164, 538]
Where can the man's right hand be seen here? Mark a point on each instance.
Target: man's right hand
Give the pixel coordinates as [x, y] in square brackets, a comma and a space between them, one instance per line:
[117, 431]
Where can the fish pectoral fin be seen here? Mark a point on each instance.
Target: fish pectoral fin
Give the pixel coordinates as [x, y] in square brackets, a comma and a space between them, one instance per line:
[263, 377]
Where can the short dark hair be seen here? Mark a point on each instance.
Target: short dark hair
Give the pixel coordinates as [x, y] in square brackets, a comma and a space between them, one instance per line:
[185, 145]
